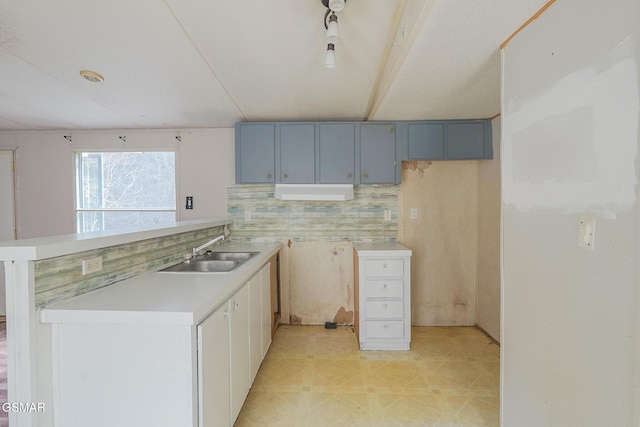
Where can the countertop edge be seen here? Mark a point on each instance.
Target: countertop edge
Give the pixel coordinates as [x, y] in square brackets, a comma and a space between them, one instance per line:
[54, 246]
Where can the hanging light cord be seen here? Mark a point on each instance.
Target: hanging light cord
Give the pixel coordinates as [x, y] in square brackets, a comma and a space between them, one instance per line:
[326, 15]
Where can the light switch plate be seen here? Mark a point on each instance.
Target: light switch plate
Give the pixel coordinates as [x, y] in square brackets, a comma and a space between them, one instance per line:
[414, 214]
[247, 215]
[387, 215]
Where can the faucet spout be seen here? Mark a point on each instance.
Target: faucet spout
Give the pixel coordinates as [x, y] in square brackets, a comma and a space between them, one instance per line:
[209, 243]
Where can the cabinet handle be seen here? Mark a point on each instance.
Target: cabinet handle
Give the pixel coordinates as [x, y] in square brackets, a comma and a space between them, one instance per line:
[235, 305]
[349, 175]
[386, 326]
[366, 175]
[384, 286]
[384, 265]
[269, 176]
[285, 176]
[226, 313]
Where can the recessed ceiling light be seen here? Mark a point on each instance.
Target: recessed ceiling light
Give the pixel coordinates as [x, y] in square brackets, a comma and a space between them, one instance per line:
[92, 76]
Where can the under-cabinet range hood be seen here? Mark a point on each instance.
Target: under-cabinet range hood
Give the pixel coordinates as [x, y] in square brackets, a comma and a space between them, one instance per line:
[327, 192]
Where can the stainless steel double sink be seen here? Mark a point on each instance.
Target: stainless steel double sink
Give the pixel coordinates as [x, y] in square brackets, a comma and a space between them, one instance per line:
[211, 262]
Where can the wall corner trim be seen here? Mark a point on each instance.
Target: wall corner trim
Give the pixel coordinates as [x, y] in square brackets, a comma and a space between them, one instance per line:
[529, 21]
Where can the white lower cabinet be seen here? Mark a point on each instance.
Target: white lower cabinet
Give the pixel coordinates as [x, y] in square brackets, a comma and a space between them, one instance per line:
[267, 310]
[214, 403]
[242, 342]
[255, 322]
[158, 374]
[239, 351]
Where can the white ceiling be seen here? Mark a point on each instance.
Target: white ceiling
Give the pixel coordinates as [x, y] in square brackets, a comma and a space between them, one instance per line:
[210, 63]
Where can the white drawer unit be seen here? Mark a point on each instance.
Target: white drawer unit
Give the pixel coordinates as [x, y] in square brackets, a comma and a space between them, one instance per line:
[383, 295]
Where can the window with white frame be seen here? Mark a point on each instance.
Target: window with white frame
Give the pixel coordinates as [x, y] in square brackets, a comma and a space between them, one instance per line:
[124, 189]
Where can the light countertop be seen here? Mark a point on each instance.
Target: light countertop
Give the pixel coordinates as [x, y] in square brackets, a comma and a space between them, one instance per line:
[383, 249]
[54, 246]
[162, 298]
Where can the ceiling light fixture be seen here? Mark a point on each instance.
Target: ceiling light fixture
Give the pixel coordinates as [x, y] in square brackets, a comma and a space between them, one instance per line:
[330, 56]
[336, 5]
[331, 25]
[332, 29]
[92, 76]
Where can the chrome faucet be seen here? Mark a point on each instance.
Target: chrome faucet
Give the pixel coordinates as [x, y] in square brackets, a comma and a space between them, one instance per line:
[209, 243]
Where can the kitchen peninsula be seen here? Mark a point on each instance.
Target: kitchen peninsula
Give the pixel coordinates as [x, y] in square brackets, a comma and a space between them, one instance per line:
[47, 272]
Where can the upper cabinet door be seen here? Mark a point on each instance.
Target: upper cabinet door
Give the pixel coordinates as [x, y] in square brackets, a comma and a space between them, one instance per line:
[465, 141]
[297, 154]
[426, 141]
[378, 153]
[337, 153]
[255, 153]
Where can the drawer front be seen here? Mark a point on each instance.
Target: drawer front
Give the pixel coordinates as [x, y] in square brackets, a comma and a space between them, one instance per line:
[384, 309]
[384, 268]
[384, 288]
[384, 329]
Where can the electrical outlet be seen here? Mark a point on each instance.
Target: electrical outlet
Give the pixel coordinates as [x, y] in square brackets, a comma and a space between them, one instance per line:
[91, 265]
[247, 215]
[387, 215]
[414, 214]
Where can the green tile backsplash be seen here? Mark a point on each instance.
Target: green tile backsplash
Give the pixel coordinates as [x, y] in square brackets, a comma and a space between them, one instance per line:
[60, 278]
[359, 219]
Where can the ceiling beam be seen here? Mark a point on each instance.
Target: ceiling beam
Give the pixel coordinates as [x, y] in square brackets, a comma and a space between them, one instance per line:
[408, 20]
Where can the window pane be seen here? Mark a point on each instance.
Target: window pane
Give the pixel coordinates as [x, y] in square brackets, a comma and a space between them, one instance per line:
[111, 220]
[125, 181]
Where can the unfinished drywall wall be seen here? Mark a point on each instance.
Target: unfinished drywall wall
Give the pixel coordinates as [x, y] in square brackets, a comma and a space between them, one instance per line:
[488, 292]
[570, 151]
[318, 283]
[443, 239]
[45, 171]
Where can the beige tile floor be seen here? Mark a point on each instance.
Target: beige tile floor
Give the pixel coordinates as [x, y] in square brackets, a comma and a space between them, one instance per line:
[317, 377]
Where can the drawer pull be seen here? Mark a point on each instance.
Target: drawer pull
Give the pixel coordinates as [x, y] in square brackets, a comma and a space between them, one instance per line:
[386, 326]
[385, 306]
[384, 286]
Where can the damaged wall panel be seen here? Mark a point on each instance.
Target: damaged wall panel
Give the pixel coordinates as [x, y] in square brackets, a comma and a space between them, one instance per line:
[319, 282]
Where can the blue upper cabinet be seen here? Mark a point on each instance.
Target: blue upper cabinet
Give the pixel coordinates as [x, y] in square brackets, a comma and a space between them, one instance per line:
[378, 153]
[352, 152]
[255, 152]
[337, 153]
[297, 154]
[450, 140]
[465, 141]
[426, 141]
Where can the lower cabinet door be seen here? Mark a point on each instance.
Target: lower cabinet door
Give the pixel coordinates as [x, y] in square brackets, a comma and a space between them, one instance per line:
[267, 310]
[213, 369]
[255, 325]
[239, 352]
